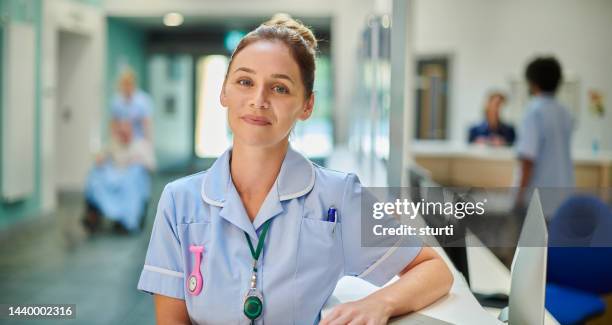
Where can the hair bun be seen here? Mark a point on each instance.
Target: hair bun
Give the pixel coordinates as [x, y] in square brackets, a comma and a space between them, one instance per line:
[285, 20]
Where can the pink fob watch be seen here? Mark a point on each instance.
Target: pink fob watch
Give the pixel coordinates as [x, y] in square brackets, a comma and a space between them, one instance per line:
[194, 282]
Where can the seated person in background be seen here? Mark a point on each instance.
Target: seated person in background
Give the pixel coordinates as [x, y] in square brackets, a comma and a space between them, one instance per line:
[118, 187]
[126, 149]
[492, 130]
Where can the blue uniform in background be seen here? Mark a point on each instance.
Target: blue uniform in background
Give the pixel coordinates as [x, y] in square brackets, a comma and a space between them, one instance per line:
[304, 255]
[545, 138]
[138, 107]
[505, 131]
[121, 194]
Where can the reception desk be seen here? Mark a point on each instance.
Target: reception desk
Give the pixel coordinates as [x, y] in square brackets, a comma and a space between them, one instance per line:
[480, 166]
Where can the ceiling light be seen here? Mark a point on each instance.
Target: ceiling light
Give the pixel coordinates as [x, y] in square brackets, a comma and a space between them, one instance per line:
[173, 19]
[386, 21]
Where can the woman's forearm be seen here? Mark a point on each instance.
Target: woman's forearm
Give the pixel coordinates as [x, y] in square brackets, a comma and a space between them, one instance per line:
[418, 286]
[170, 311]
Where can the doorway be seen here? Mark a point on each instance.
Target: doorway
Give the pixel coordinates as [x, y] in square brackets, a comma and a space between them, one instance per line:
[73, 112]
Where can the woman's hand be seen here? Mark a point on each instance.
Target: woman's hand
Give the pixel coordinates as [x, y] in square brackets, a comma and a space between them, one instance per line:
[367, 311]
[100, 159]
[423, 281]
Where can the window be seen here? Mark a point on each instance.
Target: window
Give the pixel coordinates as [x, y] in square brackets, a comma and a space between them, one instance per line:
[432, 98]
[212, 132]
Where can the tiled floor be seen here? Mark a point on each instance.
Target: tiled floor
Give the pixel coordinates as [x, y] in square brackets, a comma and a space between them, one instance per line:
[54, 261]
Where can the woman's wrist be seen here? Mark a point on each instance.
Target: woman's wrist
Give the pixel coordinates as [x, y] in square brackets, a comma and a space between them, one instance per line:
[387, 305]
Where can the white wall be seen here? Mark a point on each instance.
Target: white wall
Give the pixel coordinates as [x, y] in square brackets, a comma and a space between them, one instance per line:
[48, 73]
[18, 111]
[492, 40]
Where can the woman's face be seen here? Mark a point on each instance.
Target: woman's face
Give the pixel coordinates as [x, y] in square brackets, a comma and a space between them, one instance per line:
[493, 109]
[264, 94]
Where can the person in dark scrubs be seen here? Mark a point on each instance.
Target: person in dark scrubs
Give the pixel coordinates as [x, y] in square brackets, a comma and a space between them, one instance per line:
[493, 131]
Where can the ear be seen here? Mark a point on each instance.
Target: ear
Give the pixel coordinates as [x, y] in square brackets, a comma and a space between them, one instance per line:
[308, 107]
[533, 88]
[223, 97]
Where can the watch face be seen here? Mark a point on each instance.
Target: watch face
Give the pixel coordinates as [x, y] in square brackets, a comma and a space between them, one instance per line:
[193, 283]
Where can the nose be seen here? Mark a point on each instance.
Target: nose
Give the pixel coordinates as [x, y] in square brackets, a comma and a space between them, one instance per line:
[260, 99]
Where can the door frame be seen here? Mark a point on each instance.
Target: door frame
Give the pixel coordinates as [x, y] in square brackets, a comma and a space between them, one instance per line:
[64, 15]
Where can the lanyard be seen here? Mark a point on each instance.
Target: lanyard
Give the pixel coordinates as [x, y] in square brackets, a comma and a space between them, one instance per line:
[260, 243]
[253, 302]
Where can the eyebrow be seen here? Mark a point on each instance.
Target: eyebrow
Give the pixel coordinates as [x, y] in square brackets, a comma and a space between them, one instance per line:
[245, 70]
[276, 75]
[282, 76]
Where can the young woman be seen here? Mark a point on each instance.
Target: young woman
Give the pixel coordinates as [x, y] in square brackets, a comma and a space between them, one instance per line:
[264, 235]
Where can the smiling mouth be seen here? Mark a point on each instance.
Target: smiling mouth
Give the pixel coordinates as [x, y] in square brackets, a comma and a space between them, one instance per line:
[256, 120]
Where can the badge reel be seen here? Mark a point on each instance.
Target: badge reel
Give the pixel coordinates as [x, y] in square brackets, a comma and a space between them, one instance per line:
[253, 301]
[194, 281]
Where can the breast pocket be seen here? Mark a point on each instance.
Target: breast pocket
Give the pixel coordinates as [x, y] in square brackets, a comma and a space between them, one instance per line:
[319, 264]
[195, 235]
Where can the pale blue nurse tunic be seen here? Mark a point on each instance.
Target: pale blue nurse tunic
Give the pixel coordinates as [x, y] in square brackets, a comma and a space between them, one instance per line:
[545, 138]
[134, 110]
[303, 258]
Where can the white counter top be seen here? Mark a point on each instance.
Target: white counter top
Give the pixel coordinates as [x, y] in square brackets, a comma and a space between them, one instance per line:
[436, 148]
[458, 307]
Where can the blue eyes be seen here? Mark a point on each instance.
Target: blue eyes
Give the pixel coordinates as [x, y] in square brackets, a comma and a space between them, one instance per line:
[277, 89]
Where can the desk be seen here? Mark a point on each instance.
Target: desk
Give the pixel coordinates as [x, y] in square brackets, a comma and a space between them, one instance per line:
[474, 165]
[488, 275]
[458, 307]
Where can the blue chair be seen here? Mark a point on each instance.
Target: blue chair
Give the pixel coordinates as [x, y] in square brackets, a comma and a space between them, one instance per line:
[572, 306]
[579, 259]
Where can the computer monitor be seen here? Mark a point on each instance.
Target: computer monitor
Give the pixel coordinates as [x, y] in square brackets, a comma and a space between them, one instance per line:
[528, 270]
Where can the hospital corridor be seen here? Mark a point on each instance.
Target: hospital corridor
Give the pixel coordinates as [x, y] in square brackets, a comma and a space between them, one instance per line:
[51, 261]
[306, 162]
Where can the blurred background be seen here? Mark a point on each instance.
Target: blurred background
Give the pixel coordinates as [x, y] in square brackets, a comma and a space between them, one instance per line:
[399, 86]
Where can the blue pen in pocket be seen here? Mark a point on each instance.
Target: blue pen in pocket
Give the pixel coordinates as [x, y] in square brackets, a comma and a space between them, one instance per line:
[331, 216]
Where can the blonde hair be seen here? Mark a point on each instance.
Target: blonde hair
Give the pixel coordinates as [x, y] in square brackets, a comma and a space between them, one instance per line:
[127, 75]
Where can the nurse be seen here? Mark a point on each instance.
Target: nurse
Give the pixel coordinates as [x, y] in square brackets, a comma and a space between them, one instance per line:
[545, 138]
[264, 235]
[132, 105]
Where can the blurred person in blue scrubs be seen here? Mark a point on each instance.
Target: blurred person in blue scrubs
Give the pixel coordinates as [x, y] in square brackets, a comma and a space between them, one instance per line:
[132, 104]
[493, 131]
[118, 186]
[264, 235]
[545, 134]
